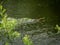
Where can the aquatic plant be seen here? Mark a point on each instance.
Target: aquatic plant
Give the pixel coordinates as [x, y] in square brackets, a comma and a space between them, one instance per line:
[27, 40]
[7, 33]
[57, 28]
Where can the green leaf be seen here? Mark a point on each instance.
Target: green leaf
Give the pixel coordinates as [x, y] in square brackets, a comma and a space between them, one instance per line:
[4, 10]
[27, 41]
[1, 7]
[16, 34]
[6, 43]
[57, 27]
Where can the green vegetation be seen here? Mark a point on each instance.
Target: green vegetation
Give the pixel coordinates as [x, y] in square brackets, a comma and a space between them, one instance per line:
[57, 28]
[7, 33]
[27, 41]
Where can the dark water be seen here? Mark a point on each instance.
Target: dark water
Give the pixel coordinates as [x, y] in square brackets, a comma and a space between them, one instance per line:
[35, 9]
